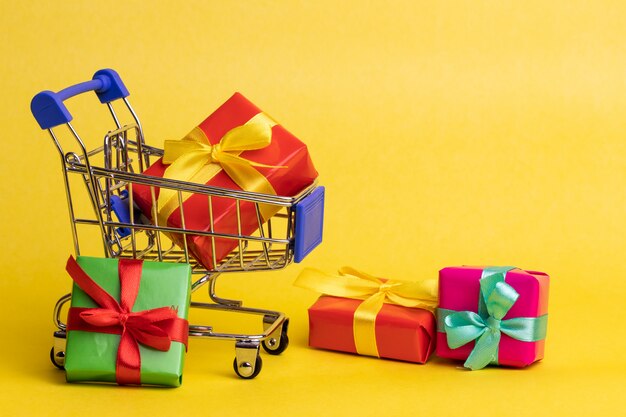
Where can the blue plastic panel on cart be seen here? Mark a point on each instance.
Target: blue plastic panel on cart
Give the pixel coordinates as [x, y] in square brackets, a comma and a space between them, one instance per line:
[309, 224]
[122, 211]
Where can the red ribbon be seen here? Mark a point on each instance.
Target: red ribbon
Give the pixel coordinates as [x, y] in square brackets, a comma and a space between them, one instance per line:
[155, 328]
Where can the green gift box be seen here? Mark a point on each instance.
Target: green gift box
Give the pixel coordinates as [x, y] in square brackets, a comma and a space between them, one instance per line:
[95, 347]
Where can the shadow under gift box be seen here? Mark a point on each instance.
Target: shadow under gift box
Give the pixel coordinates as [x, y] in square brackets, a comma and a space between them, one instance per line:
[284, 150]
[92, 356]
[402, 333]
[459, 290]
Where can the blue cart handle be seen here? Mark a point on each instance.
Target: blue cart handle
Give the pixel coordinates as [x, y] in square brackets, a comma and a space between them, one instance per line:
[50, 111]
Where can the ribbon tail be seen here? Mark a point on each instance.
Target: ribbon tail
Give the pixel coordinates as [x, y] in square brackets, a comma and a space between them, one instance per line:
[485, 351]
[183, 168]
[248, 178]
[128, 366]
[421, 294]
[336, 285]
[178, 330]
[159, 327]
[153, 336]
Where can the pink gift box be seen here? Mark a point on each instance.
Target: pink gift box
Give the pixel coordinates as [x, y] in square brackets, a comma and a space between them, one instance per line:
[459, 290]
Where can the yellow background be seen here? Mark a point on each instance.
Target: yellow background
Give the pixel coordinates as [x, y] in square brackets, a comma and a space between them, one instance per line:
[446, 133]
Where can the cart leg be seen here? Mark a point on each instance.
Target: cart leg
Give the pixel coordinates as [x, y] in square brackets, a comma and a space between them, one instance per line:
[57, 353]
[247, 363]
[277, 341]
[219, 300]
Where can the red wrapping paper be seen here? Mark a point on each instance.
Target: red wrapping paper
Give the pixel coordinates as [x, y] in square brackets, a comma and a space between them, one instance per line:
[406, 334]
[284, 150]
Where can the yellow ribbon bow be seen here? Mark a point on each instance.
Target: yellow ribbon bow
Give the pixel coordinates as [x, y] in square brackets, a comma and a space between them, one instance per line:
[375, 292]
[195, 159]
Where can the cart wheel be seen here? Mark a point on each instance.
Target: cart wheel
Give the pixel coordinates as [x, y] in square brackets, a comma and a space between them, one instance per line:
[275, 344]
[55, 359]
[245, 367]
[276, 347]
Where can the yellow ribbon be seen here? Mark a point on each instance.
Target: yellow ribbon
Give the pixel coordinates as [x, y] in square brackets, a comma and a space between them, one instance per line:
[375, 292]
[194, 159]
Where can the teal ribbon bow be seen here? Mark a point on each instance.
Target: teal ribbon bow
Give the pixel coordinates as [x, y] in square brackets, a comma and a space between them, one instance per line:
[496, 299]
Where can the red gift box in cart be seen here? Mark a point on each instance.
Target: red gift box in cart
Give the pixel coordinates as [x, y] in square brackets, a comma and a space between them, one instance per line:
[108, 173]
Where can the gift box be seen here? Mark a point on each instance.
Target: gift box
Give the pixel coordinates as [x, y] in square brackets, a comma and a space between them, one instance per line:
[494, 315]
[253, 153]
[381, 318]
[127, 321]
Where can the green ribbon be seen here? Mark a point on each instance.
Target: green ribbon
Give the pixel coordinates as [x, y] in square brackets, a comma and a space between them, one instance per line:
[486, 327]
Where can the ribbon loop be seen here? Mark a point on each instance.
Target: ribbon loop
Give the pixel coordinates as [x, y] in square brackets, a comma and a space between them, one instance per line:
[462, 327]
[500, 300]
[101, 317]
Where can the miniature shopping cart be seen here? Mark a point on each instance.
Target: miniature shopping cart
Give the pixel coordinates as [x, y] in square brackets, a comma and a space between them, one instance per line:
[106, 175]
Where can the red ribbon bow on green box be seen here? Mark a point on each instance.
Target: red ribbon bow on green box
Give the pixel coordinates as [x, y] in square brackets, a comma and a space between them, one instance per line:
[155, 328]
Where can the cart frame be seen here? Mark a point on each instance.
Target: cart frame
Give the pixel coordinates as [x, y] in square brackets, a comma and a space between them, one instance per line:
[126, 233]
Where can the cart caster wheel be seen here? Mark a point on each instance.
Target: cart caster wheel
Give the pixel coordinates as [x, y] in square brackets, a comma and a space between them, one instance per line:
[276, 347]
[57, 360]
[246, 370]
[275, 344]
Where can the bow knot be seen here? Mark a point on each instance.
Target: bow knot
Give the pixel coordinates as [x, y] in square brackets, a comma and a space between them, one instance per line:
[195, 159]
[215, 152]
[387, 287]
[145, 326]
[123, 317]
[205, 152]
[493, 324]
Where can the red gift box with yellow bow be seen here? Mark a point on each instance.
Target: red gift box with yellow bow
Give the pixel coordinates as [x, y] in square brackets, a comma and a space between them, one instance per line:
[360, 313]
[237, 147]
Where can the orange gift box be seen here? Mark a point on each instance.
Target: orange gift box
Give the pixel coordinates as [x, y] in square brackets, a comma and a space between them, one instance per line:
[402, 333]
[285, 163]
